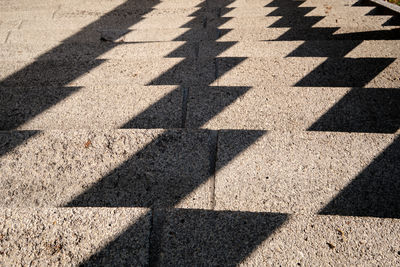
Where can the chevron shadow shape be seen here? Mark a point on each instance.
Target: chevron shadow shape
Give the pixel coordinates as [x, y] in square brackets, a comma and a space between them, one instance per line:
[345, 72]
[197, 237]
[170, 168]
[20, 102]
[325, 48]
[159, 177]
[368, 110]
[375, 192]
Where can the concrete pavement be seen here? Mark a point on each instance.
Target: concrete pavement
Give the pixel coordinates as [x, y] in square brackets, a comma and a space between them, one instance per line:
[199, 133]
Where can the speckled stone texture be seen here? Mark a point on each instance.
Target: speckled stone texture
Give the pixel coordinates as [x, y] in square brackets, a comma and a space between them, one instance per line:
[108, 106]
[199, 133]
[289, 108]
[72, 236]
[301, 172]
[114, 168]
[235, 238]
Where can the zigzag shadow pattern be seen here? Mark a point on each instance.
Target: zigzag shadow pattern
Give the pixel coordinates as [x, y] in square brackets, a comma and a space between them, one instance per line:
[160, 176]
[374, 110]
[42, 84]
[375, 191]
[352, 113]
[151, 177]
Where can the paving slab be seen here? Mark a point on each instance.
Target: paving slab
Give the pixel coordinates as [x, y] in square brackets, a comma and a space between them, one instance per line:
[166, 71]
[237, 3]
[207, 49]
[37, 36]
[304, 34]
[330, 241]
[302, 72]
[187, 19]
[98, 6]
[302, 172]
[182, 34]
[337, 20]
[294, 108]
[104, 50]
[117, 36]
[347, 3]
[105, 168]
[102, 107]
[280, 49]
[72, 236]
[235, 238]
[309, 72]
[130, 14]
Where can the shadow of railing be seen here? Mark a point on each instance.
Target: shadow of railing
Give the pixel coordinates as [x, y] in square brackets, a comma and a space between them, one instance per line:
[131, 185]
[145, 180]
[43, 83]
[376, 190]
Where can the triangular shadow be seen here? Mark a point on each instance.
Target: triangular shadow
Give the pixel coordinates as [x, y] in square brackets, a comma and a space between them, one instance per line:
[375, 192]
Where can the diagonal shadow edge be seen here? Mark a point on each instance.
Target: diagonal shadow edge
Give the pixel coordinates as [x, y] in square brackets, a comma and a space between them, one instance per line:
[223, 237]
[345, 72]
[363, 110]
[158, 198]
[375, 192]
[47, 100]
[173, 148]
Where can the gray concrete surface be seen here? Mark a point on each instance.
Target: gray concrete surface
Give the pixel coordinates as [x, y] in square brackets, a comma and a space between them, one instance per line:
[183, 34]
[293, 71]
[117, 168]
[294, 108]
[301, 172]
[300, 167]
[165, 71]
[309, 72]
[70, 236]
[276, 239]
[95, 107]
[210, 49]
[83, 51]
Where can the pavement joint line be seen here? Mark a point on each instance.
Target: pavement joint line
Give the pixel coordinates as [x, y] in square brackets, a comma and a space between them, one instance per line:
[214, 136]
[156, 229]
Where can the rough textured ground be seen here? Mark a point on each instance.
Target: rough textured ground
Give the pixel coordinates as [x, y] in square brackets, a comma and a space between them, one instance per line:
[199, 133]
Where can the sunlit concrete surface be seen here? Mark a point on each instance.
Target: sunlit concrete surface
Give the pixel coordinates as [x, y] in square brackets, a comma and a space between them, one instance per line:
[199, 133]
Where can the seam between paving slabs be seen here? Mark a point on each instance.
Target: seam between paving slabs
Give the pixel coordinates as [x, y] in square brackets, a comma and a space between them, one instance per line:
[214, 136]
[156, 232]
